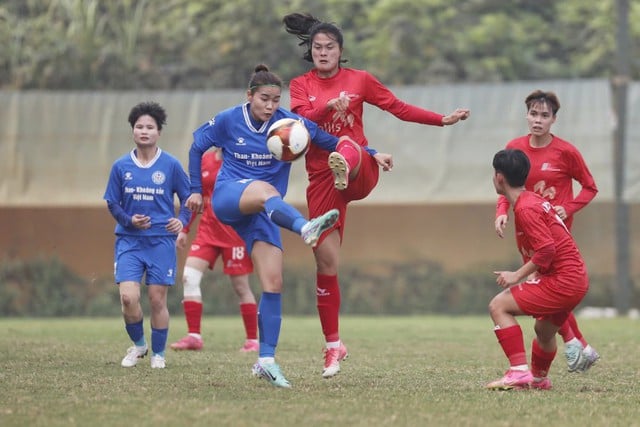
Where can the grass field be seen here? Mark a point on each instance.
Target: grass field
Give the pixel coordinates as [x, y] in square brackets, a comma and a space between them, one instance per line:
[402, 371]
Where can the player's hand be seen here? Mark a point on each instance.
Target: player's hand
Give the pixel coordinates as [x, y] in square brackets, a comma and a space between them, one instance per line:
[456, 116]
[194, 202]
[384, 160]
[174, 225]
[140, 221]
[181, 241]
[339, 104]
[501, 224]
[506, 278]
[562, 213]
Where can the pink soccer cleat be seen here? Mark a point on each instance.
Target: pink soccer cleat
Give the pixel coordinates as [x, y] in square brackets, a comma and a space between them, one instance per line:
[541, 384]
[332, 359]
[340, 169]
[250, 346]
[188, 343]
[511, 380]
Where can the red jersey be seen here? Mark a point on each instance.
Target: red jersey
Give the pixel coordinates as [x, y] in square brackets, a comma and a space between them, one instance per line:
[210, 229]
[538, 226]
[310, 94]
[553, 169]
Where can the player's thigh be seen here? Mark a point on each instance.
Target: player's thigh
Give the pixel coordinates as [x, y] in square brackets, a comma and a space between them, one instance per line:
[161, 261]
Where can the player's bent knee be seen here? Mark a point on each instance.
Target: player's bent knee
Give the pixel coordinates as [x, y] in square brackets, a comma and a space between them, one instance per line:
[191, 279]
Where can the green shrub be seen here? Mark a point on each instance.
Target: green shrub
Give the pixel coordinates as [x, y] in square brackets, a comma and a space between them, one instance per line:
[46, 287]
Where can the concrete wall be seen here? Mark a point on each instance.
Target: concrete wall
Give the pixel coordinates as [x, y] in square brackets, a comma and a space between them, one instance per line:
[458, 236]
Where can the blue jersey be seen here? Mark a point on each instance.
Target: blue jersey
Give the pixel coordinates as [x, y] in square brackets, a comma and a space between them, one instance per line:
[244, 147]
[148, 190]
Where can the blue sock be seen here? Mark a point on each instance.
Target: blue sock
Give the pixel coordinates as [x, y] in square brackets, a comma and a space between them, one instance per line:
[283, 214]
[136, 332]
[269, 321]
[159, 340]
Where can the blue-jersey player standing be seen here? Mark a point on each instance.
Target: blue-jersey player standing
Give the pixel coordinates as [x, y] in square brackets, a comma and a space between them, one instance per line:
[140, 196]
[248, 195]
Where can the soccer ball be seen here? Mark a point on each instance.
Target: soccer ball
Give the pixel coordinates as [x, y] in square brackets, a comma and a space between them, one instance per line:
[288, 139]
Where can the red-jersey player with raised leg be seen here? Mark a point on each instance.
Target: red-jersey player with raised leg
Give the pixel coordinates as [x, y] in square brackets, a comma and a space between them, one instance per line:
[334, 97]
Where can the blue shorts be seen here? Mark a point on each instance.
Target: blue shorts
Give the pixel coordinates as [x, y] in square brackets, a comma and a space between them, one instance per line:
[251, 228]
[153, 255]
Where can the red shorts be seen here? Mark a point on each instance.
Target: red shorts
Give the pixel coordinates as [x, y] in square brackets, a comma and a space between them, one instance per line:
[543, 299]
[235, 259]
[322, 196]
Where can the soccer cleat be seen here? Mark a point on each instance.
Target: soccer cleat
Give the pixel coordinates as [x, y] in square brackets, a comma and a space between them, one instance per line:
[157, 362]
[270, 372]
[249, 346]
[541, 384]
[314, 228]
[575, 356]
[511, 380]
[590, 358]
[133, 354]
[188, 343]
[332, 359]
[340, 169]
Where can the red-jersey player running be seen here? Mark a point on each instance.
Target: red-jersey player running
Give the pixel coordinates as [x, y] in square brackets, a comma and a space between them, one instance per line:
[548, 250]
[333, 97]
[555, 164]
[215, 239]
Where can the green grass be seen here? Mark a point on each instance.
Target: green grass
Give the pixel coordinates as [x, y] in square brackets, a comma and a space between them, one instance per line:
[403, 371]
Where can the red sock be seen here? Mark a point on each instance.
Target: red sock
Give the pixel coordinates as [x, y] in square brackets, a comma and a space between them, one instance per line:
[249, 314]
[512, 342]
[328, 303]
[540, 360]
[566, 332]
[350, 153]
[193, 314]
[571, 320]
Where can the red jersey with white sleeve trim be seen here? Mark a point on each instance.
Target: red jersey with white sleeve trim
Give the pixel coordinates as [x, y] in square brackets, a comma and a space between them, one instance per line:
[310, 94]
[538, 226]
[554, 167]
[211, 231]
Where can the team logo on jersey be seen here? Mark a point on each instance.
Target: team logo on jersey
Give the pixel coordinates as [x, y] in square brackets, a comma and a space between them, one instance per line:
[312, 98]
[241, 141]
[547, 167]
[128, 176]
[158, 178]
[212, 121]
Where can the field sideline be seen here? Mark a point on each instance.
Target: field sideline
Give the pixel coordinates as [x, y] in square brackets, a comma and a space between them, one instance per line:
[402, 371]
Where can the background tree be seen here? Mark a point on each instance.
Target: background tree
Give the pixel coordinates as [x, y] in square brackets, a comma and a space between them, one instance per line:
[188, 44]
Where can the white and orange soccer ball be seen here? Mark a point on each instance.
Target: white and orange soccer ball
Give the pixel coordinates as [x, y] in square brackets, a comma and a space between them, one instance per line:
[288, 139]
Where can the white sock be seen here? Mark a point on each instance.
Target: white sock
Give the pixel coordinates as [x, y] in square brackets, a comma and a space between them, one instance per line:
[333, 344]
[520, 368]
[266, 360]
[573, 341]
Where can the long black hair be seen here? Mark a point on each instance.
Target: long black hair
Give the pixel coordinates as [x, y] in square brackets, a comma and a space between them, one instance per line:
[305, 26]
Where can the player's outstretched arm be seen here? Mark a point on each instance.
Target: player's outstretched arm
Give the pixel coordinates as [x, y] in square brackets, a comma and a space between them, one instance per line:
[456, 116]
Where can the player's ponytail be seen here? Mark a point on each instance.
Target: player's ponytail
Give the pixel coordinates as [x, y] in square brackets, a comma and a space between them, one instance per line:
[305, 26]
